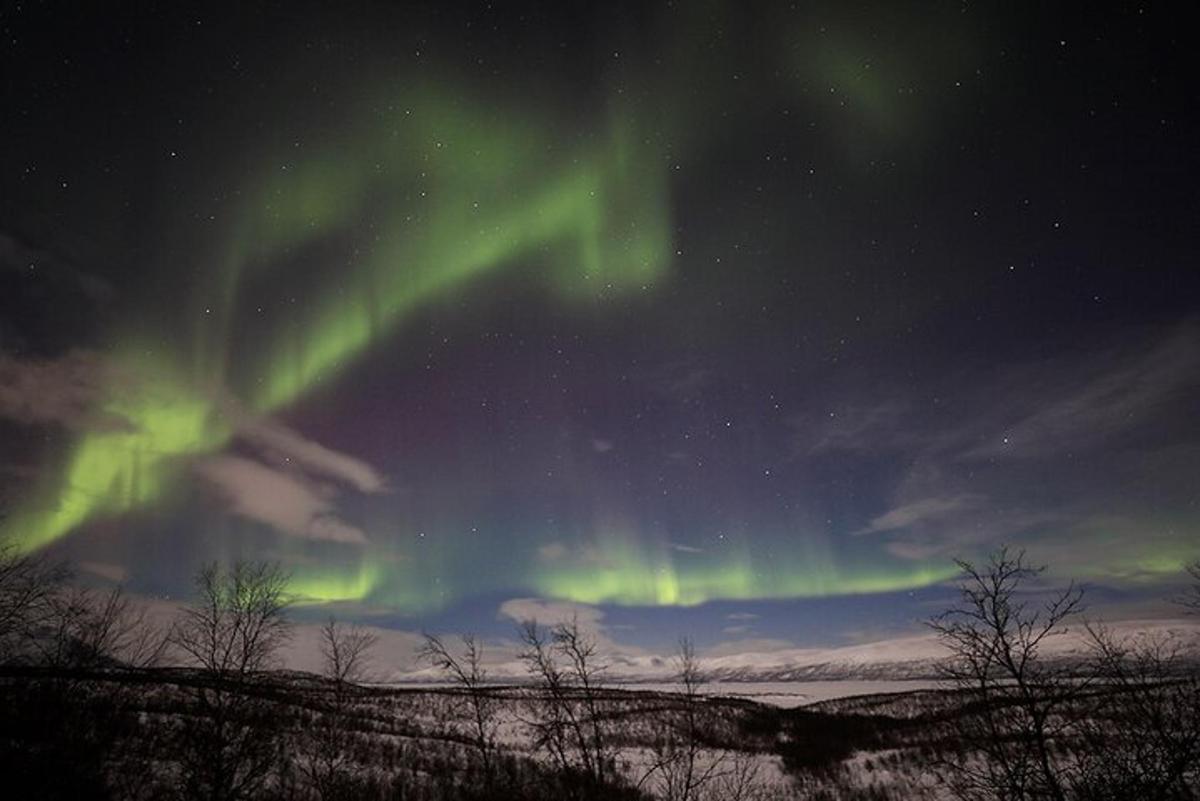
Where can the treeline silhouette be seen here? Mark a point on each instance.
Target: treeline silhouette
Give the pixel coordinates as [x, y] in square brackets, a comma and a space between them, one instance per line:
[99, 701]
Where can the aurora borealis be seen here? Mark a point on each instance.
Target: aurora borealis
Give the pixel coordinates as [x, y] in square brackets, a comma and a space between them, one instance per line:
[699, 314]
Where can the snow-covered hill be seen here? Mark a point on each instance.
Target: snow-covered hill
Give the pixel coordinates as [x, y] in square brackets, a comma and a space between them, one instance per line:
[904, 658]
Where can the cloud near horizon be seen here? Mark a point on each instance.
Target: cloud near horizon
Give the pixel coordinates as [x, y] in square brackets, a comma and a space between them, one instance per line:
[1009, 458]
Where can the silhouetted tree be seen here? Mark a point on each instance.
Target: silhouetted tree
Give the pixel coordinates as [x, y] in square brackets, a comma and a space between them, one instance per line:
[88, 630]
[995, 638]
[345, 652]
[566, 719]
[232, 632]
[684, 769]
[1190, 599]
[63, 728]
[1140, 730]
[468, 674]
[237, 623]
[675, 772]
[29, 586]
[326, 763]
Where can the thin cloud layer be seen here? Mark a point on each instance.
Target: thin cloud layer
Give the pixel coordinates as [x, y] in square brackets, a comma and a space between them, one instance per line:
[311, 456]
[69, 391]
[1014, 461]
[285, 500]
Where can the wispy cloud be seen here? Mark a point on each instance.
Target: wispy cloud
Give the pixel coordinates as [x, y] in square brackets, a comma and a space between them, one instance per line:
[551, 613]
[852, 428]
[286, 500]
[679, 381]
[285, 443]
[1054, 407]
[589, 619]
[924, 510]
[69, 391]
[291, 483]
[1010, 456]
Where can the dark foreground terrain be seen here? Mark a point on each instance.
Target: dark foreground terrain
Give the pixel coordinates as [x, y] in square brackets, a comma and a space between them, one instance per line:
[175, 734]
[170, 733]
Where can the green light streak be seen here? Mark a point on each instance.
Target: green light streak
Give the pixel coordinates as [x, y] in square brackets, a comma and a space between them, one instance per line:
[323, 584]
[115, 472]
[596, 222]
[377, 578]
[625, 574]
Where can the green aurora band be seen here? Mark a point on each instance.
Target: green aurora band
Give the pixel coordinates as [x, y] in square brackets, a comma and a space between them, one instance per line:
[599, 223]
[629, 575]
[452, 191]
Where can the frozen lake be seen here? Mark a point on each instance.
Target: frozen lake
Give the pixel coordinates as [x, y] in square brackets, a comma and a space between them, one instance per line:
[796, 693]
[786, 694]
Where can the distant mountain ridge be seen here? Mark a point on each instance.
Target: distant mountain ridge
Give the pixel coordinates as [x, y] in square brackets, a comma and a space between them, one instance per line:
[899, 659]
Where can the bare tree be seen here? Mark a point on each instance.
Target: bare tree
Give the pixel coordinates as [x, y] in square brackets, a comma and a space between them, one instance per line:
[67, 726]
[1190, 599]
[29, 585]
[346, 652]
[995, 639]
[676, 770]
[230, 748]
[325, 761]
[45, 620]
[468, 674]
[238, 623]
[683, 768]
[566, 719]
[553, 722]
[586, 671]
[1140, 731]
[89, 630]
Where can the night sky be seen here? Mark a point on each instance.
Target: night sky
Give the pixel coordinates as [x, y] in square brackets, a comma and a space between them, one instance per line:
[731, 320]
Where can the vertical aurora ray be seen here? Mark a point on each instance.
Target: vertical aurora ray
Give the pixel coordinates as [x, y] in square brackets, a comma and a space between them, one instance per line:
[332, 584]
